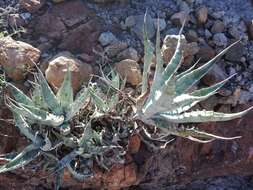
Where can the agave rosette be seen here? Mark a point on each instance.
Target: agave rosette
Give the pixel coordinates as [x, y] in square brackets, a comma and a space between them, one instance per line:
[169, 102]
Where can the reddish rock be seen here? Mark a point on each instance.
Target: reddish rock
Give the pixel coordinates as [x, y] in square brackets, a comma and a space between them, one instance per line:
[83, 38]
[205, 53]
[57, 68]
[74, 26]
[218, 27]
[54, 26]
[202, 15]
[134, 144]
[179, 18]
[31, 5]
[17, 57]
[130, 70]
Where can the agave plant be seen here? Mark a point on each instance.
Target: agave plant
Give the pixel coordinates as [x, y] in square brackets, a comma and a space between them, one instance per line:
[50, 123]
[95, 126]
[168, 102]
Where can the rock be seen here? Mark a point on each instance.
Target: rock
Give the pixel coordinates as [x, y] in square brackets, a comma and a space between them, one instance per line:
[220, 39]
[192, 36]
[83, 38]
[205, 53]
[250, 29]
[55, 27]
[245, 97]
[63, 15]
[130, 70]
[130, 21]
[31, 5]
[107, 38]
[218, 27]
[216, 74]
[138, 27]
[115, 48]
[235, 53]
[129, 53]
[169, 46]
[208, 34]
[184, 7]
[179, 18]
[202, 15]
[17, 57]
[162, 24]
[57, 68]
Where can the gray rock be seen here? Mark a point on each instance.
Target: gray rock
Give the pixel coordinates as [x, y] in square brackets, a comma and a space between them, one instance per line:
[235, 53]
[106, 38]
[130, 21]
[138, 27]
[220, 39]
[162, 24]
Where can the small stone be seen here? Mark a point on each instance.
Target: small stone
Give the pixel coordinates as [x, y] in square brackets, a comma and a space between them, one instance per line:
[235, 53]
[185, 7]
[234, 32]
[106, 38]
[251, 88]
[179, 18]
[162, 24]
[205, 53]
[57, 68]
[218, 27]
[130, 21]
[129, 53]
[17, 57]
[202, 15]
[32, 5]
[208, 34]
[130, 70]
[192, 36]
[250, 29]
[115, 48]
[138, 27]
[220, 39]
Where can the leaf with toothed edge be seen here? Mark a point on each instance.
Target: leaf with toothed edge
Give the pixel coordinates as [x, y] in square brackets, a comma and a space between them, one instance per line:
[44, 117]
[22, 159]
[188, 80]
[200, 116]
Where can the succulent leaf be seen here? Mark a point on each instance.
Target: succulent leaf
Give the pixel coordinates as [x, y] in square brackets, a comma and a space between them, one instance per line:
[148, 49]
[19, 95]
[188, 70]
[22, 159]
[48, 95]
[200, 116]
[159, 63]
[24, 128]
[65, 93]
[188, 80]
[77, 104]
[44, 117]
[190, 133]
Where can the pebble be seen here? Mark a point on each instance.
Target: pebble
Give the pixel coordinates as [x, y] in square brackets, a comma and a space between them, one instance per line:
[107, 38]
[220, 39]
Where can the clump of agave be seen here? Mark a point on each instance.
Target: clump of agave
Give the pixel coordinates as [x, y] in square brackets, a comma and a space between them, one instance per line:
[95, 126]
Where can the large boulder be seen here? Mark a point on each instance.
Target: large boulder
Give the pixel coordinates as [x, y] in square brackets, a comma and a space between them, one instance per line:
[58, 66]
[17, 57]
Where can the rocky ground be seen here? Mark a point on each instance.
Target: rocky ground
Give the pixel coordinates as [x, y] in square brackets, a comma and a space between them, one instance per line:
[88, 35]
